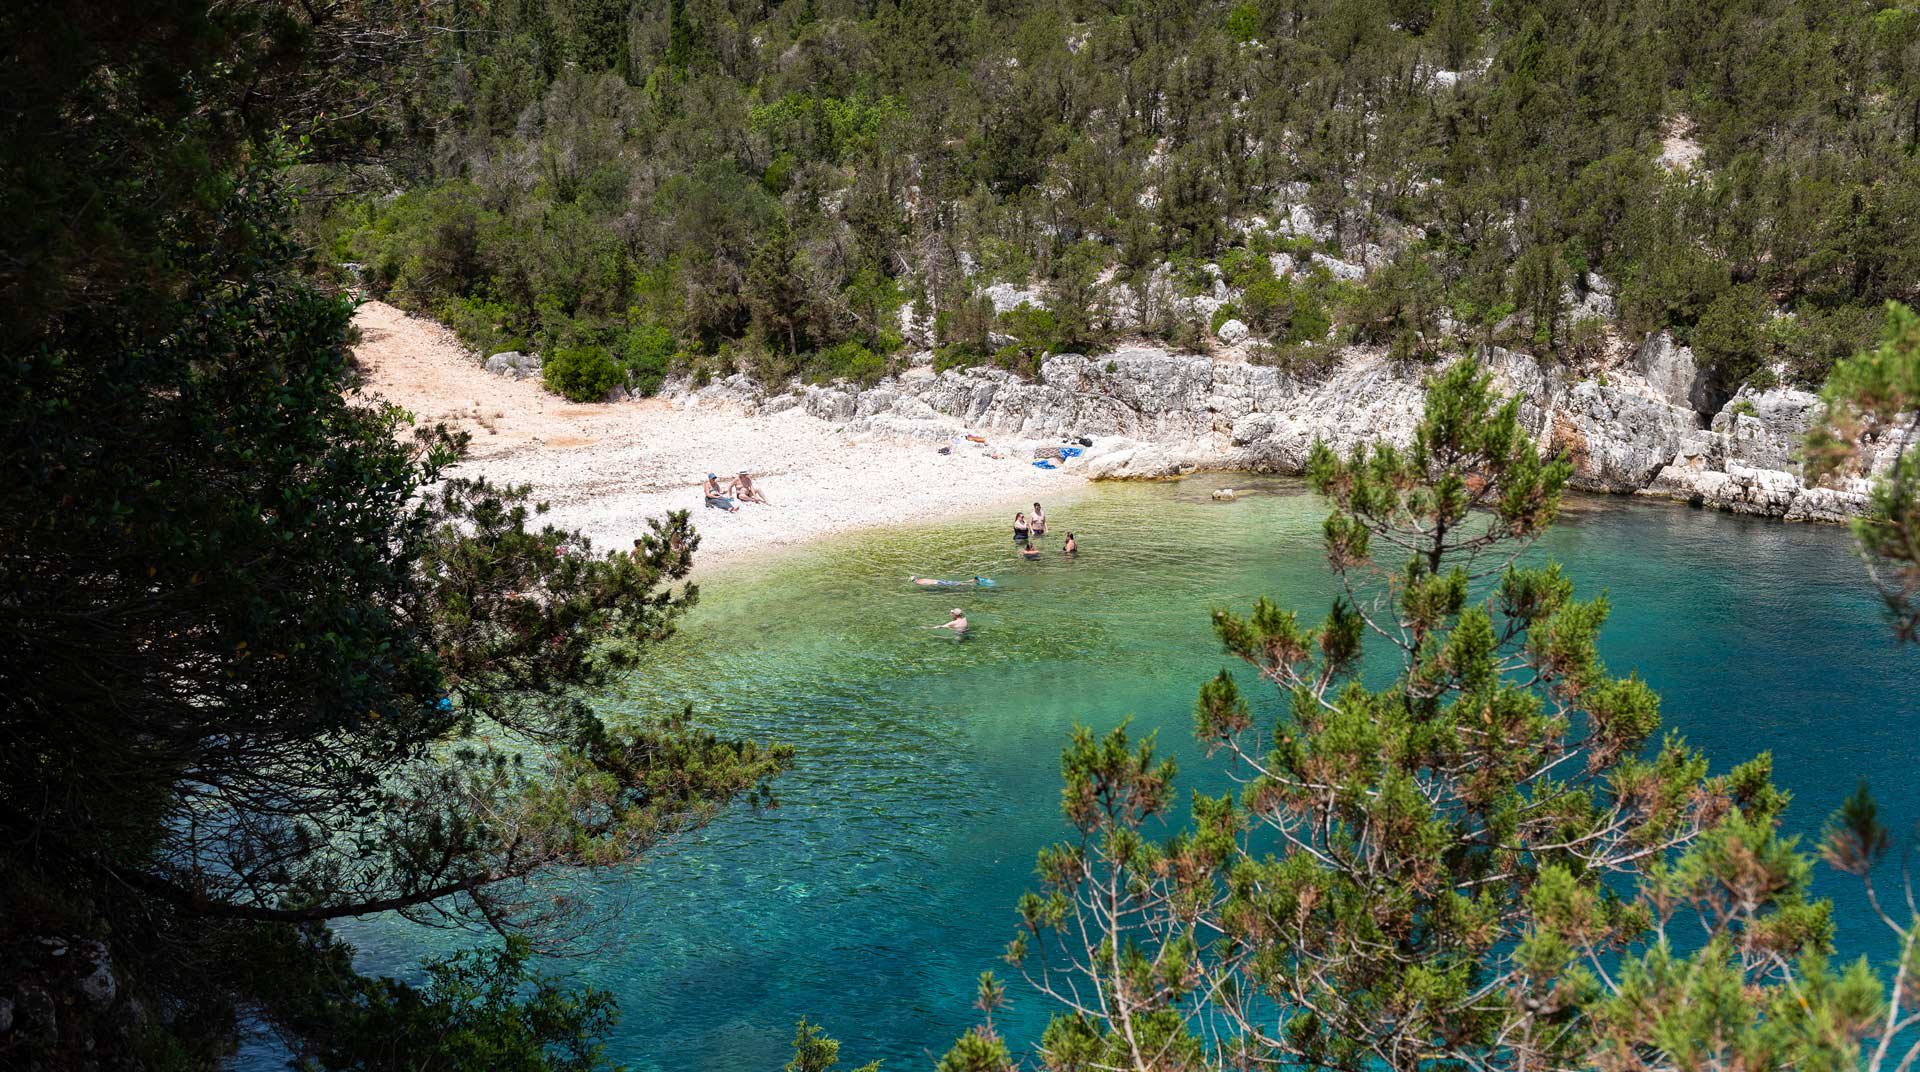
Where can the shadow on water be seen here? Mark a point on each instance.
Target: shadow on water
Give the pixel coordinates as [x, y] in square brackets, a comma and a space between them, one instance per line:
[928, 771]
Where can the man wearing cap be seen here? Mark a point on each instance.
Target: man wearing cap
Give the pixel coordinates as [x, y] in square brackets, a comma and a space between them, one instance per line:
[958, 623]
[717, 495]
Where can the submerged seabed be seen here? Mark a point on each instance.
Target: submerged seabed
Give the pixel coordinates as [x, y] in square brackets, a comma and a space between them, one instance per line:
[928, 771]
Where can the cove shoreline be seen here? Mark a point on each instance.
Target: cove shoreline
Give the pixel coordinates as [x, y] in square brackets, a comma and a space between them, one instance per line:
[828, 468]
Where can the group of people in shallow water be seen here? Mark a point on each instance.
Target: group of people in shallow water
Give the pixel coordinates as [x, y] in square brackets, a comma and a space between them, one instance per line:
[1026, 528]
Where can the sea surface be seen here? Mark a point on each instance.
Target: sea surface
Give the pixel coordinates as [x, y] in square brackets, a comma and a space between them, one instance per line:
[928, 776]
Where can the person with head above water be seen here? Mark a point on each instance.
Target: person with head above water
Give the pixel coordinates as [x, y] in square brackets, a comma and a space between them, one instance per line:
[1030, 550]
[1071, 547]
[1039, 522]
[957, 623]
[1020, 527]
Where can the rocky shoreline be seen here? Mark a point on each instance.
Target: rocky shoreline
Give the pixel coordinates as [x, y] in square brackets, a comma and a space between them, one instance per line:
[1644, 428]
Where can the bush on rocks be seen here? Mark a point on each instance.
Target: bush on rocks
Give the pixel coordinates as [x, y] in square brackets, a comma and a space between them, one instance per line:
[582, 373]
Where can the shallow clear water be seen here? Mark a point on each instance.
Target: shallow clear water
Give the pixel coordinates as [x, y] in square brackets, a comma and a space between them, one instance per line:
[928, 770]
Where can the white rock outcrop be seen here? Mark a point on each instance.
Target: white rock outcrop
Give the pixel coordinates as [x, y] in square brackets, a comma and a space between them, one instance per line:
[1151, 413]
[515, 364]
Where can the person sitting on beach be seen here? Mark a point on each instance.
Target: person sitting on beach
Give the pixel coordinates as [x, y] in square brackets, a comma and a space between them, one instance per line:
[1020, 528]
[717, 496]
[1071, 546]
[1030, 550]
[747, 491]
[958, 623]
[1039, 524]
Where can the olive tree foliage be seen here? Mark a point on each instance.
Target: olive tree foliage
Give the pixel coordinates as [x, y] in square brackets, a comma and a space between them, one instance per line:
[1459, 840]
[1873, 402]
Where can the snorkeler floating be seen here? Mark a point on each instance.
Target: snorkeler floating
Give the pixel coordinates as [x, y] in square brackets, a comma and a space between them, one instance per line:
[936, 582]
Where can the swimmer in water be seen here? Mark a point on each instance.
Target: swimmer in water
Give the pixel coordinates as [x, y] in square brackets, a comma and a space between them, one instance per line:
[1030, 550]
[958, 623]
[1071, 547]
[935, 582]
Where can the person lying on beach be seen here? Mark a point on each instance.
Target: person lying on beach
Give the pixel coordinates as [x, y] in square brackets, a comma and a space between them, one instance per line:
[745, 489]
[1030, 550]
[1072, 546]
[717, 496]
[958, 623]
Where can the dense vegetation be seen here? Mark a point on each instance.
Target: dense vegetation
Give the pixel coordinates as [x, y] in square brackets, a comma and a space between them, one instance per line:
[264, 667]
[1489, 861]
[767, 185]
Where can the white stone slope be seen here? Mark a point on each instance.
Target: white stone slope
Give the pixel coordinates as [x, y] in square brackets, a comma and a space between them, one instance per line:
[607, 468]
[1153, 414]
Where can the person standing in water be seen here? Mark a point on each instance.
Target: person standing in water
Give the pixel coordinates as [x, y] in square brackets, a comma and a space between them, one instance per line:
[957, 623]
[1039, 524]
[1071, 546]
[1020, 528]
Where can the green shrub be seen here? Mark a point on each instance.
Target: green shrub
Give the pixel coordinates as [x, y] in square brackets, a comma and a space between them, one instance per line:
[582, 373]
[957, 355]
[1243, 267]
[648, 352]
[1307, 361]
[1729, 340]
[1037, 329]
[848, 360]
[1221, 315]
[483, 326]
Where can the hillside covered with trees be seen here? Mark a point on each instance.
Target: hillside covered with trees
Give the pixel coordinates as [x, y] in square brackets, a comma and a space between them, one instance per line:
[813, 187]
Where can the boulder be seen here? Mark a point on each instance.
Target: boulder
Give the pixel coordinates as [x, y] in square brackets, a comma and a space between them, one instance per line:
[1232, 332]
[1345, 271]
[515, 364]
[1006, 296]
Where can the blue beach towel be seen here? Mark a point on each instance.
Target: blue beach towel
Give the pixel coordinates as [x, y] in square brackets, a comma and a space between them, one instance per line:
[1043, 464]
[1070, 452]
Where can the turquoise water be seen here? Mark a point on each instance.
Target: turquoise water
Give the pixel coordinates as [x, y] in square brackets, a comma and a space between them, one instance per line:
[928, 775]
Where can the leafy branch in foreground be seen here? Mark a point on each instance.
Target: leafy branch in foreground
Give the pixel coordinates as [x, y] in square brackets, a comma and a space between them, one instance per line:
[1489, 861]
[266, 663]
[1873, 404]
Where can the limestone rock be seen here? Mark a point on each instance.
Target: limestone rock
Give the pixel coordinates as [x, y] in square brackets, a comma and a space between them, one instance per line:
[1670, 370]
[1232, 332]
[1006, 296]
[1154, 414]
[515, 364]
[1618, 439]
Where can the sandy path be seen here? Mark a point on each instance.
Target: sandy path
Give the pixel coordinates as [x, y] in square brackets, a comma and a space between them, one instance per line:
[606, 468]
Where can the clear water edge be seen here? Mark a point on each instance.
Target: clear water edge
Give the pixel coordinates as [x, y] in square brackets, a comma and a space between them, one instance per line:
[927, 772]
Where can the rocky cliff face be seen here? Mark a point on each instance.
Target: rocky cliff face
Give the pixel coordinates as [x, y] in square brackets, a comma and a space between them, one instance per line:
[1638, 430]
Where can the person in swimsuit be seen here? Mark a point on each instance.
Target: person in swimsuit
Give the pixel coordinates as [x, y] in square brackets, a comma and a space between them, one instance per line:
[1030, 550]
[958, 623]
[935, 582]
[1039, 525]
[1020, 527]
[747, 490]
[717, 496]
[1071, 546]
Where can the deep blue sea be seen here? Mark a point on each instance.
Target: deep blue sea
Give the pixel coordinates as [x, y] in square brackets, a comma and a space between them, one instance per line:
[928, 771]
